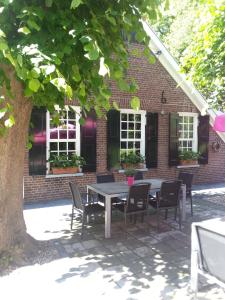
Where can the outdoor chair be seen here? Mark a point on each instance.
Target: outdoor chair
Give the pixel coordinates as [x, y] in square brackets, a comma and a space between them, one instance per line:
[136, 201]
[84, 204]
[105, 178]
[207, 257]
[187, 179]
[167, 198]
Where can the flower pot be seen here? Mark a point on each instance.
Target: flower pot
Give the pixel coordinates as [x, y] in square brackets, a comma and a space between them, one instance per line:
[188, 162]
[66, 170]
[130, 180]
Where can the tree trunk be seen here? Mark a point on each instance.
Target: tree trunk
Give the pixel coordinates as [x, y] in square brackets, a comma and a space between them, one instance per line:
[12, 155]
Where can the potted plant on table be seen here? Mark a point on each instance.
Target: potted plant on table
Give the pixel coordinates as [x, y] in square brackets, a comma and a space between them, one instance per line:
[132, 160]
[62, 164]
[130, 176]
[188, 157]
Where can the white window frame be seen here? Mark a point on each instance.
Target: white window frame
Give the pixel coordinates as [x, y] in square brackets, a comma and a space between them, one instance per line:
[195, 128]
[143, 123]
[76, 140]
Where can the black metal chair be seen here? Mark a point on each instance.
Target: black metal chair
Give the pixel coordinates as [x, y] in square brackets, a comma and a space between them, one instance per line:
[137, 201]
[85, 204]
[105, 178]
[167, 198]
[138, 176]
[187, 179]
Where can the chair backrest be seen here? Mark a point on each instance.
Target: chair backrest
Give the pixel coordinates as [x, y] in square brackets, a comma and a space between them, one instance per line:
[138, 176]
[104, 178]
[212, 249]
[186, 178]
[138, 197]
[77, 201]
[169, 193]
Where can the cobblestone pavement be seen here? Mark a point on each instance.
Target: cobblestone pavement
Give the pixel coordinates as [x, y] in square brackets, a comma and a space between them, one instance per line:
[136, 263]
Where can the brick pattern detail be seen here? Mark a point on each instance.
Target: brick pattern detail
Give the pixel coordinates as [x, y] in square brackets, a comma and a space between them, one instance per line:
[152, 80]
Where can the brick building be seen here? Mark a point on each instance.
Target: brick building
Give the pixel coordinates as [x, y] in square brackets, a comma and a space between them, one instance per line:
[172, 114]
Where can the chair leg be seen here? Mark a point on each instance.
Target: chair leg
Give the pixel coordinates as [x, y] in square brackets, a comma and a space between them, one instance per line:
[191, 204]
[72, 215]
[84, 217]
[179, 218]
[175, 214]
[166, 213]
[158, 219]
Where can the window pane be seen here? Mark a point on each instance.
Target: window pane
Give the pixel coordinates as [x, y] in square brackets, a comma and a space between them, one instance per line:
[130, 145]
[62, 146]
[138, 126]
[131, 117]
[123, 145]
[72, 125]
[63, 134]
[124, 125]
[131, 126]
[71, 146]
[71, 114]
[71, 134]
[137, 134]
[137, 145]
[124, 134]
[54, 133]
[138, 118]
[131, 134]
[53, 146]
[124, 117]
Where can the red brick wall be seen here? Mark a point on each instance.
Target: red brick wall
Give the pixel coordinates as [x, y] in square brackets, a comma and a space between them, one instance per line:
[152, 80]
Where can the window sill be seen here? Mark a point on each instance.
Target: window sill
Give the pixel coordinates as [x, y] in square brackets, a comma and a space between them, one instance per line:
[64, 175]
[188, 166]
[141, 170]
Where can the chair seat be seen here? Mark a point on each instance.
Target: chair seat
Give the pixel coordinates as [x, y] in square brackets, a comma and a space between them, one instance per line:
[93, 208]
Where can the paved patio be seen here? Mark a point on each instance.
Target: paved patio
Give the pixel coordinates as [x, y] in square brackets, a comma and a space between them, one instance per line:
[136, 263]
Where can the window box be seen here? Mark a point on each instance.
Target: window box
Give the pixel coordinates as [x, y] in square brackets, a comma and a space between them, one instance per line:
[188, 162]
[66, 170]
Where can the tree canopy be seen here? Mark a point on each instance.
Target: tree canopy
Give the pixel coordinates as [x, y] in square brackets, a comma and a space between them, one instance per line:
[69, 49]
[194, 33]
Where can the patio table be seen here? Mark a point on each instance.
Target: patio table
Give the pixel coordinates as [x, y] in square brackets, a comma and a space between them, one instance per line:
[114, 189]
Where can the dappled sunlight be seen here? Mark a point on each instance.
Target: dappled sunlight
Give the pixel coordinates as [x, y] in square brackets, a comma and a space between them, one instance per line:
[138, 262]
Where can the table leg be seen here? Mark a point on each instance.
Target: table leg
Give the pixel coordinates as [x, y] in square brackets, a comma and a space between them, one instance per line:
[194, 260]
[183, 202]
[107, 217]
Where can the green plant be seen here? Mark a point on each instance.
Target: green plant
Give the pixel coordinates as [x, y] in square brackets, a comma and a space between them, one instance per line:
[130, 172]
[62, 161]
[132, 158]
[188, 155]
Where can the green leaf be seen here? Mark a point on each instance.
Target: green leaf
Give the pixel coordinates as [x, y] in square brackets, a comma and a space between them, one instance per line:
[20, 60]
[3, 46]
[33, 24]
[69, 92]
[3, 112]
[151, 59]
[2, 34]
[104, 69]
[24, 30]
[82, 121]
[115, 105]
[123, 85]
[9, 122]
[34, 85]
[48, 3]
[82, 91]
[75, 4]
[135, 103]
[76, 73]
[92, 49]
